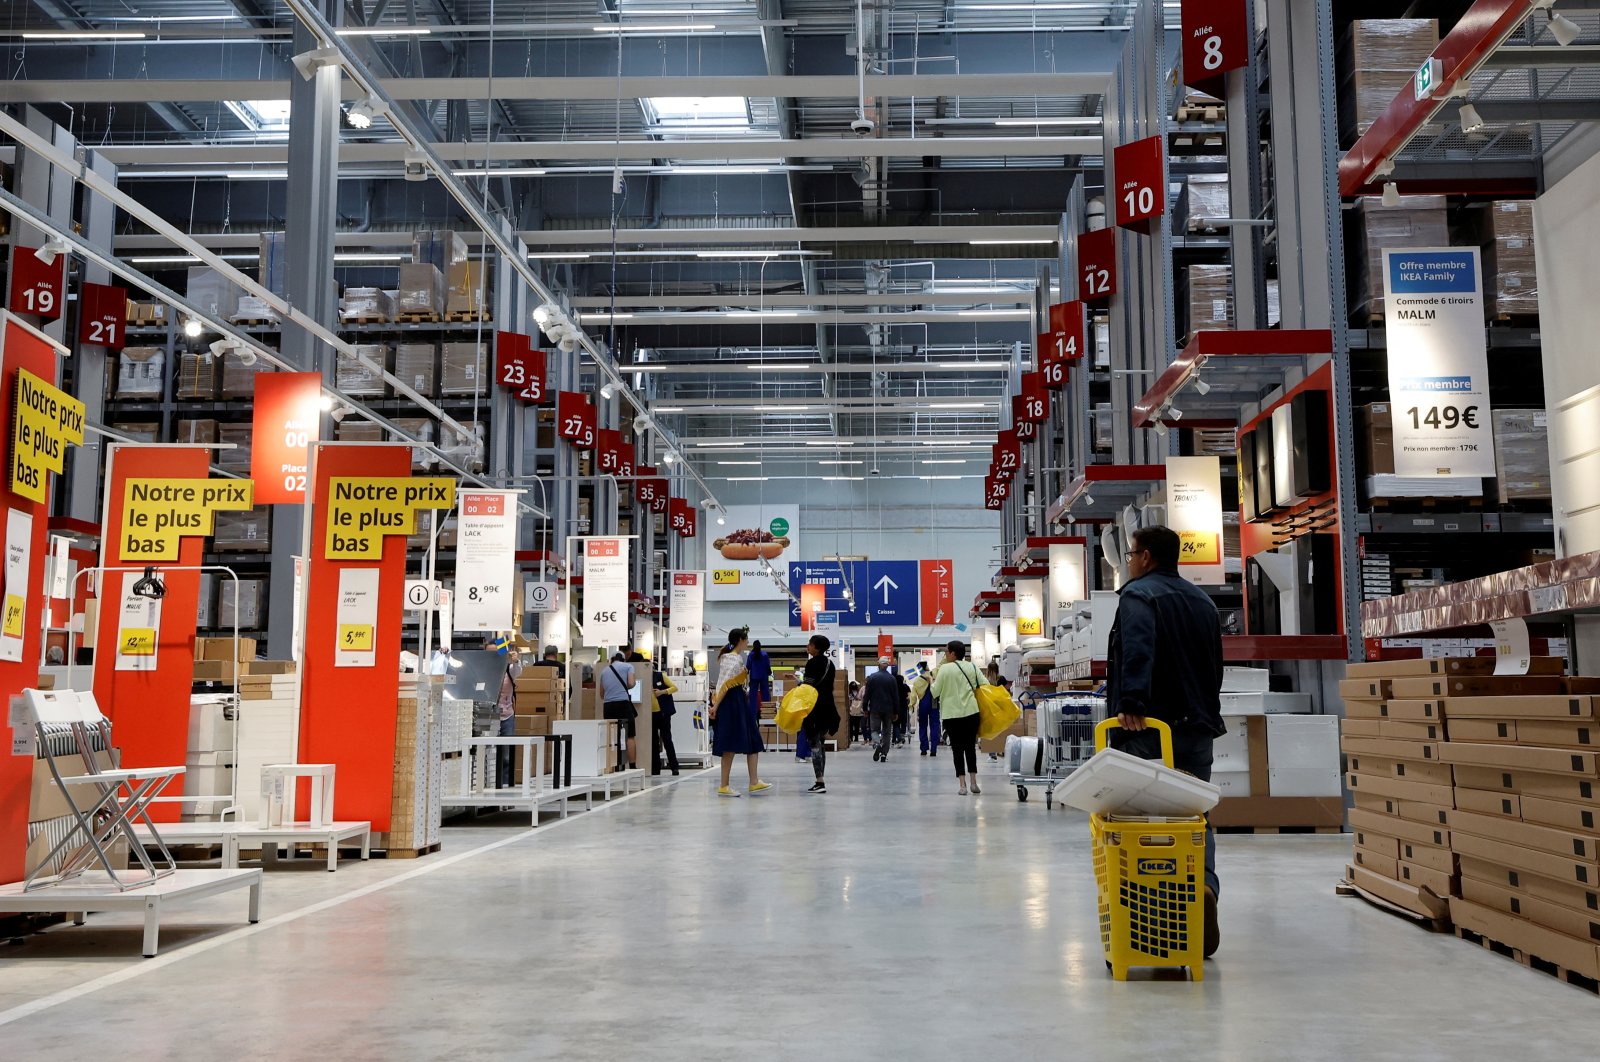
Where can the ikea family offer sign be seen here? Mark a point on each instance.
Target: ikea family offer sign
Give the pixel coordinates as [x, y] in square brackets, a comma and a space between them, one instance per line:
[362, 511]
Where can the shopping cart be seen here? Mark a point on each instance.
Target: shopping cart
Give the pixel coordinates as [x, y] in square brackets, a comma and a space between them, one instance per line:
[1151, 877]
[1065, 742]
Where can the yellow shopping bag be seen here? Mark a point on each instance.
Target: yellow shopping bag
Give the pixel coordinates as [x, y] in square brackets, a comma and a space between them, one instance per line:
[796, 705]
[996, 712]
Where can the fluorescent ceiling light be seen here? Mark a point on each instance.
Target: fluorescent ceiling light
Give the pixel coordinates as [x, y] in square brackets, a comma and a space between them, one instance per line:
[989, 313]
[781, 409]
[944, 460]
[603, 316]
[504, 171]
[829, 442]
[999, 243]
[748, 479]
[82, 35]
[559, 254]
[740, 464]
[714, 171]
[945, 442]
[384, 31]
[369, 256]
[843, 479]
[961, 405]
[1047, 121]
[185, 259]
[743, 254]
[256, 175]
[667, 409]
[841, 462]
[650, 27]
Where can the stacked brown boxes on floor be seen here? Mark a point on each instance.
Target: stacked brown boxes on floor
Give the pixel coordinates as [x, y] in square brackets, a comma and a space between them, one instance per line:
[414, 811]
[1524, 826]
[1391, 736]
[541, 698]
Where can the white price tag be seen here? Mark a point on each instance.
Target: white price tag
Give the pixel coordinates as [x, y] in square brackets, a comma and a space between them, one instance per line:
[1511, 653]
[1548, 598]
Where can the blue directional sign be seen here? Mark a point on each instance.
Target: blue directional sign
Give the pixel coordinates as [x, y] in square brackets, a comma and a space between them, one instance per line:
[834, 575]
[891, 593]
[886, 592]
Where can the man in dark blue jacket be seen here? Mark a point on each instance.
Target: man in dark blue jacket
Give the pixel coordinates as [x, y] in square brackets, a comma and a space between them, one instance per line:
[1166, 663]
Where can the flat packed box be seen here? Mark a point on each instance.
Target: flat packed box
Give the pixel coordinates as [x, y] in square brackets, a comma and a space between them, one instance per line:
[1558, 706]
[1476, 686]
[197, 376]
[1231, 751]
[1523, 757]
[1567, 894]
[1416, 711]
[210, 726]
[1562, 919]
[1258, 809]
[1233, 784]
[421, 290]
[465, 288]
[224, 649]
[1304, 781]
[463, 367]
[1579, 844]
[1376, 842]
[1533, 860]
[1303, 741]
[1439, 882]
[1265, 703]
[1504, 230]
[1413, 898]
[1575, 788]
[1246, 679]
[1522, 454]
[1557, 813]
[1447, 665]
[1377, 862]
[1386, 786]
[1437, 835]
[355, 378]
[1488, 802]
[417, 365]
[1392, 748]
[1374, 689]
[141, 372]
[239, 379]
[1581, 957]
[1409, 770]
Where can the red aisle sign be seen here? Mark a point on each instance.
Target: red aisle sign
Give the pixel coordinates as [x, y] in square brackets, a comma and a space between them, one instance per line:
[691, 522]
[680, 516]
[937, 592]
[575, 419]
[103, 316]
[625, 466]
[1141, 188]
[1216, 39]
[663, 495]
[1097, 264]
[995, 493]
[885, 646]
[287, 419]
[519, 368]
[1025, 429]
[1067, 322]
[813, 599]
[1008, 453]
[644, 488]
[1035, 399]
[609, 450]
[38, 287]
[1052, 369]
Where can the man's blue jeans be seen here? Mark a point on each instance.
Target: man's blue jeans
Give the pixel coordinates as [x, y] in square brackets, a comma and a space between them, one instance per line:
[1191, 753]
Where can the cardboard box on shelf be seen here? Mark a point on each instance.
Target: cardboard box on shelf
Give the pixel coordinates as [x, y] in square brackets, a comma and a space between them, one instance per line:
[1532, 860]
[1359, 727]
[1558, 814]
[1418, 711]
[1407, 730]
[1439, 882]
[1504, 230]
[1379, 843]
[1411, 770]
[224, 649]
[366, 305]
[1448, 686]
[1384, 785]
[1372, 228]
[354, 378]
[1447, 665]
[1401, 829]
[196, 431]
[212, 294]
[1485, 802]
[1303, 781]
[1377, 862]
[1431, 856]
[1366, 689]
[417, 364]
[1392, 749]
[1578, 844]
[441, 248]
[1580, 924]
[248, 530]
[466, 288]
[196, 379]
[1573, 788]
[463, 367]
[1375, 425]
[421, 290]
[1376, 59]
[1562, 893]
[141, 372]
[1558, 734]
[1578, 956]
[1523, 757]
[1261, 810]
[1208, 298]
[1521, 454]
[1577, 708]
[239, 379]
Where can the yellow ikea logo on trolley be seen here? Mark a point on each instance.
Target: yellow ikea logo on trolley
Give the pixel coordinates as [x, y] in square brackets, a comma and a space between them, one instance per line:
[725, 576]
[1158, 867]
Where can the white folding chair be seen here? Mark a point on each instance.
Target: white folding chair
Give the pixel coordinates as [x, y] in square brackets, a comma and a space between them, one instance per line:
[121, 795]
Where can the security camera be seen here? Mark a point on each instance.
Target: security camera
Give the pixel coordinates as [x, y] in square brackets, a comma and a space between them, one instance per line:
[863, 126]
[416, 168]
[874, 472]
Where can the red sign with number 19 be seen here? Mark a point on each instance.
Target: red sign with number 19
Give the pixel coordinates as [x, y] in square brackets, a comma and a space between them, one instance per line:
[37, 287]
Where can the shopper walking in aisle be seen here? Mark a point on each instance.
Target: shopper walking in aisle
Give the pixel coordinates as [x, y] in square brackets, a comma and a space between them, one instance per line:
[760, 665]
[735, 719]
[902, 718]
[955, 687]
[551, 658]
[617, 681]
[1165, 662]
[823, 721]
[884, 702]
[664, 708]
[927, 711]
[858, 711]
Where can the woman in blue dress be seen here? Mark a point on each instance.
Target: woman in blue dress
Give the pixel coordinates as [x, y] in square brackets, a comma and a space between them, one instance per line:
[735, 719]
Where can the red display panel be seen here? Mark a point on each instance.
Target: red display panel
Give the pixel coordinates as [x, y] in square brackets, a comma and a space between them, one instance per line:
[1097, 265]
[38, 287]
[286, 420]
[1216, 39]
[937, 596]
[995, 493]
[680, 517]
[521, 369]
[1141, 189]
[575, 419]
[644, 488]
[663, 496]
[1035, 403]
[609, 451]
[1025, 429]
[103, 316]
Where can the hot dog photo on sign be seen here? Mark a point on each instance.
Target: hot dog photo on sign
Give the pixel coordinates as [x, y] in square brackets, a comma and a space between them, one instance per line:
[751, 544]
[755, 544]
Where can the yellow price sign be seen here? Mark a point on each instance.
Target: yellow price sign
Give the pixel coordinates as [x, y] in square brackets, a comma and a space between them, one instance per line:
[1031, 626]
[725, 576]
[355, 637]
[1199, 547]
[13, 620]
[136, 641]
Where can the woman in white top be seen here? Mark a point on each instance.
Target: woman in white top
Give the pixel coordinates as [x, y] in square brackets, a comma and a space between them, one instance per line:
[735, 722]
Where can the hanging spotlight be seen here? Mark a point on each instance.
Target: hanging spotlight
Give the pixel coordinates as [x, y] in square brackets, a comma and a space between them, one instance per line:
[641, 424]
[607, 393]
[1471, 120]
[1175, 414]
[363, 111]
[1201, 387]
[1564, 30]
[1391, 194]
[192, 327]
[671, 458]
[543, 314]
[308, 63]
[722, 521]
[1160, 429]
[1088, 499]
[220, 349]
[53, 248]
[568, 344]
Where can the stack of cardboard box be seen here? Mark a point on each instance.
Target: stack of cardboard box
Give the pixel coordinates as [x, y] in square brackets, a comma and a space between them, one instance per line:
[210, 760]
[414, 809]
[1524, 825]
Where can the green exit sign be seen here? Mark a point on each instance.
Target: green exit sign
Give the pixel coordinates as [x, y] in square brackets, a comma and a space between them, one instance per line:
[1428, 76]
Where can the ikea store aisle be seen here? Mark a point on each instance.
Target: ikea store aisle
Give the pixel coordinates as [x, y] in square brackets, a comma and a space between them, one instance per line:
[889, 918]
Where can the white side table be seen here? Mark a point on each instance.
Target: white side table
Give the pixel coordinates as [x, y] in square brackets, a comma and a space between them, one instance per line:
[278, 793]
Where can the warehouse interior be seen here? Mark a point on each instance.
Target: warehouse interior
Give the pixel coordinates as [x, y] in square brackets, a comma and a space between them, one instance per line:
[689, 327]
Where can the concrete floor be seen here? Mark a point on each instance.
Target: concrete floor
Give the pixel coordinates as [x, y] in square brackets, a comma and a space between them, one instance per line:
[888, 919]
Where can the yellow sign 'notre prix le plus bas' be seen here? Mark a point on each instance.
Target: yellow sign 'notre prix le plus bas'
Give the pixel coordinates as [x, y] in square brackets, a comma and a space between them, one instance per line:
[44, 420]
[362, 510]
[158, 513]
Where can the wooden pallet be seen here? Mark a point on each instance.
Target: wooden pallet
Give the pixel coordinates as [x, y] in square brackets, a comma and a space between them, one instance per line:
[145, 322]
[1196, 112]
[1271, 830]
[1514, 320]
[1532, 962]
[417, 317]
[365, 319]
[405, 853]
[1346, 887]
[468, 316]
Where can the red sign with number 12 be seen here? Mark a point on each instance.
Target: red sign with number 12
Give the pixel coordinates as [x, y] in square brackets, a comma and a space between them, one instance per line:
[1097, 265]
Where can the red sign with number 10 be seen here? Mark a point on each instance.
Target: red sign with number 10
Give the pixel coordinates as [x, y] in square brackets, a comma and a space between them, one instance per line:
[1141, 188]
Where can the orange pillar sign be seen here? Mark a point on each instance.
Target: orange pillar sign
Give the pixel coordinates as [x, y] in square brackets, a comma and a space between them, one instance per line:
[813, 599]
[20, 349]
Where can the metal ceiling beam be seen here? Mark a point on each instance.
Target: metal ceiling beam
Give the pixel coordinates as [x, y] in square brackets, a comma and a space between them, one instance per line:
[837, 86]
[910, 298]
[742, 367]
[699, 150]
[579, 238]
[792, 317]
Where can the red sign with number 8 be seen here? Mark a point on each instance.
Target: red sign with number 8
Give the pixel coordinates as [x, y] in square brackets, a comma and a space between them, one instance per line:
[1216, 39]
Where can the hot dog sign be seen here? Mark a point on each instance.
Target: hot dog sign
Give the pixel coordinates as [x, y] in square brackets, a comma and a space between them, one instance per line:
[756, 536]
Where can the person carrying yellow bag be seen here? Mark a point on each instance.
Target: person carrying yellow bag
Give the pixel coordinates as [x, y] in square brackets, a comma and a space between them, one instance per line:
[822, 722]
[956, 686]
